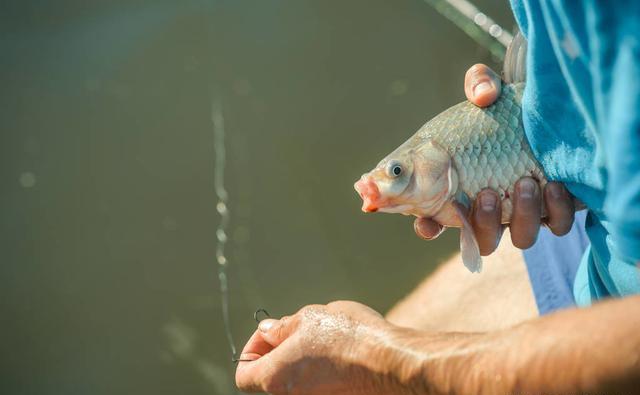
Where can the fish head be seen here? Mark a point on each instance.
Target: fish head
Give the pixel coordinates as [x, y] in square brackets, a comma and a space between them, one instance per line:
[415, 179]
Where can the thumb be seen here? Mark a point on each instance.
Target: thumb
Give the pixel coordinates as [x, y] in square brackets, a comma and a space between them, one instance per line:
[275, 332]
[427, 229]
[482, 85]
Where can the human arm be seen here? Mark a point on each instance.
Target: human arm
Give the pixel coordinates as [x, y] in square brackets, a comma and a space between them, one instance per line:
[347, 348]
[452, 299]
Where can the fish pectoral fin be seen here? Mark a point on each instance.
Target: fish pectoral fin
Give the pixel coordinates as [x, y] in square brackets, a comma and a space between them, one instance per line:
[469, 248]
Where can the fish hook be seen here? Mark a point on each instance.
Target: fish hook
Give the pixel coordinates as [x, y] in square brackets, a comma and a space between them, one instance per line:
[255, 315]
[234, 359]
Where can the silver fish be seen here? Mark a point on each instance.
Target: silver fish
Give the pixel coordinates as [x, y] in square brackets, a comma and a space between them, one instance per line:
[461, 151]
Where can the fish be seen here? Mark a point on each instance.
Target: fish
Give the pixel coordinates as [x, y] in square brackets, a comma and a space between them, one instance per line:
[438, 172]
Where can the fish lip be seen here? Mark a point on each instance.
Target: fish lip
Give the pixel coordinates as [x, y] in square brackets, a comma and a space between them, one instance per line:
[369, 207]
[369, 193]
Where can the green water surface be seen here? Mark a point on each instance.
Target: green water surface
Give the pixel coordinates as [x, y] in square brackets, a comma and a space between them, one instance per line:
[107, 239]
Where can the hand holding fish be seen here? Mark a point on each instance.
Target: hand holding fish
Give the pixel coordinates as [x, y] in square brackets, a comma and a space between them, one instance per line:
[471, 168]
[482, 87]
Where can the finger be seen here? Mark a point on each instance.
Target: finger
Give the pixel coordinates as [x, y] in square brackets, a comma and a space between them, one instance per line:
[427, 229]
[482, 85]
[560, 209]
[255, 348]
[275, 332]
[265, 374]
[250, 376]
[253, 375]
[527, 209]
[486, 221]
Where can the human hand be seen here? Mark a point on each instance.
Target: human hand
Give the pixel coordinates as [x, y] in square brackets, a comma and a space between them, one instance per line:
[482, 87]
[319, 350]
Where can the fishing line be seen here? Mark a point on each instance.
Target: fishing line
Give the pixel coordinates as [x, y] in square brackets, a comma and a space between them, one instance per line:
[217, 120]
[255, 317]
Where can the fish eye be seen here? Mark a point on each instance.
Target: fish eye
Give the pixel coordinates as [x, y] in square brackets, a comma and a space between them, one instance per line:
[394, 169]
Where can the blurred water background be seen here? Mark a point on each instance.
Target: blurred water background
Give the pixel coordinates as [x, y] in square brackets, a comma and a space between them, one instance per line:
[108, 274]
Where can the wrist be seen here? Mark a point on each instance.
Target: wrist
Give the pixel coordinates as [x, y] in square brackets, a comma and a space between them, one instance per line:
[443, 363]
[391, 362]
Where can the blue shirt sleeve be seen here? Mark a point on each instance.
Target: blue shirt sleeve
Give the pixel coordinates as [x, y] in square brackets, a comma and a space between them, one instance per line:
[614, 30]
[581, 112]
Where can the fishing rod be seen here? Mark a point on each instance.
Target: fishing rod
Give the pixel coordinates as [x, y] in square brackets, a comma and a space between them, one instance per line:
[484, 30]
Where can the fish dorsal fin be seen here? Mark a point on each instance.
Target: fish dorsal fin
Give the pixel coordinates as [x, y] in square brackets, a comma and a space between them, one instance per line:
[515, 60]
[469, 248]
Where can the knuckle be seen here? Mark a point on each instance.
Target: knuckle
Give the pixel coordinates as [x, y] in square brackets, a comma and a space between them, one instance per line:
[308, 311]
[280, 327]
[337, 304]
[285, 325]
[310, 307]
[340, 306]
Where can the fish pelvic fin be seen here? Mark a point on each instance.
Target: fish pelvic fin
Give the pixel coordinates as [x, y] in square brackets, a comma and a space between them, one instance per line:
[469, 248]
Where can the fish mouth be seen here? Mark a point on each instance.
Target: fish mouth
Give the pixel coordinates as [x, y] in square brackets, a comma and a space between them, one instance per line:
[370, 194]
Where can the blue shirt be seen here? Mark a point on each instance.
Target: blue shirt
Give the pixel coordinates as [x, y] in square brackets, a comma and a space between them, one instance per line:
[581, 112]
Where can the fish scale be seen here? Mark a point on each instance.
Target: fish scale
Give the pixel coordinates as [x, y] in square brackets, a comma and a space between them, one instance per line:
[487, 145]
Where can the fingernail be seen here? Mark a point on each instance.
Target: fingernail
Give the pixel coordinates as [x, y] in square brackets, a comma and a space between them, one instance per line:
[265, 325]
[526, 188]
[488, 202]
[481, 88]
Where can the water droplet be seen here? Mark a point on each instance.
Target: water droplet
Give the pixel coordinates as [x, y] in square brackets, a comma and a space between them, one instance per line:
[495, 30]
[221, 207]
[27, 179]
[222, 260]
[221, 235]
[480, 18]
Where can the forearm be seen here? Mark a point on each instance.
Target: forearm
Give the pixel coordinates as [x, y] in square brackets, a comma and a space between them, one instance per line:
[452, 299]
[574, 351]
